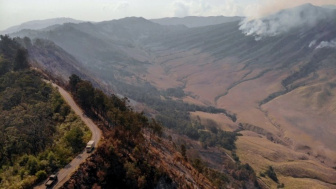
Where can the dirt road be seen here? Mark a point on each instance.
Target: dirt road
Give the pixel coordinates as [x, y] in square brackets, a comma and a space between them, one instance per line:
[65, 173]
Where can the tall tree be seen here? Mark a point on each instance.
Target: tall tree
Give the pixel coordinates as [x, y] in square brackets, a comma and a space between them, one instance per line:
[73, 81]
[21, 60]
[85, 94]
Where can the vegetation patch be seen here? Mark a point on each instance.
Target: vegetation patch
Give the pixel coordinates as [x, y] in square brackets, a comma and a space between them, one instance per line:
[133, 155]
[37, 128]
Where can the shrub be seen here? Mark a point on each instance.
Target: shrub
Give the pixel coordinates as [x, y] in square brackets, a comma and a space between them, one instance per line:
[22, 173]
[43, 165]
[262, 174]
[75, 139]
[271, 174]
[41, 175]
[32, 165]
[28, 182]
[24, 160]
[235, 157]
[282, 185]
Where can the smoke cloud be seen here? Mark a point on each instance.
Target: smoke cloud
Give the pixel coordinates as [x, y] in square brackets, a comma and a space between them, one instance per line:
[326, 44]
[282, 21]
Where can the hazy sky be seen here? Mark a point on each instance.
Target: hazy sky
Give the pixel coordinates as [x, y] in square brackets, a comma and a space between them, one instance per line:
[14, 12]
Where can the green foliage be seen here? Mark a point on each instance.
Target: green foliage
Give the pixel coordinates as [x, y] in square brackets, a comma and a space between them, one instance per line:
[41, 175]
[32, 165]
[32, 113]
[85, 93]
[27, 182]
[75, 139]
[24, 160]
[52, 161]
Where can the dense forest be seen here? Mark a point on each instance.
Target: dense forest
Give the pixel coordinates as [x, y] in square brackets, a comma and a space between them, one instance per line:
[38, 132]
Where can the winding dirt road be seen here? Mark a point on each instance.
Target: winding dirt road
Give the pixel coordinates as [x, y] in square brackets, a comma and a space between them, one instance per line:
[65, 173]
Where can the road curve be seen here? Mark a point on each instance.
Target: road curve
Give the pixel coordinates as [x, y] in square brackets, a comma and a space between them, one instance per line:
[65, 173]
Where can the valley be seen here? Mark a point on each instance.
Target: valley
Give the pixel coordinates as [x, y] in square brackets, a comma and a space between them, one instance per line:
[276, 93]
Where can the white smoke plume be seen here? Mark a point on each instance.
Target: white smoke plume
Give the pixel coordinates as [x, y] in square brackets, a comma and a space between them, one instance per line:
[283, 21]
[311, 44]
[327, 44]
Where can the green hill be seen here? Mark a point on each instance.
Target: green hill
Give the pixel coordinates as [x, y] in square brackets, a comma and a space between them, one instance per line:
[38, 132]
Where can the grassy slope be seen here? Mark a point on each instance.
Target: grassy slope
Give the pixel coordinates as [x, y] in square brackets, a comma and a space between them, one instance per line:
[292, 167]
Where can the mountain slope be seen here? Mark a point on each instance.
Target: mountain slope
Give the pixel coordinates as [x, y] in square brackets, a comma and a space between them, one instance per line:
[278, 87]
[109, 45]
[39, 24]
[136, 154]
[39, 133]
[194, 21]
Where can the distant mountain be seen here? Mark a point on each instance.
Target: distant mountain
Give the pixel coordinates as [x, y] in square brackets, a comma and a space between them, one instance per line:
[114, 43]
[195, 21]
[39, 24]
[329, 6]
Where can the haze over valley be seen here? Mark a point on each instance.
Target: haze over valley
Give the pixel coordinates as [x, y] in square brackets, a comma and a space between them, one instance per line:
[269, 80]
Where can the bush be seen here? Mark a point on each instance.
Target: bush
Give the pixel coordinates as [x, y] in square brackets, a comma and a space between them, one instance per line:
[32, 165]
[271, 174]
[235, 157]
[262, 174]
[75, 139]
[24, 160]
[41, 175]
[28, 182]
[22, 173]
[43, 165]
